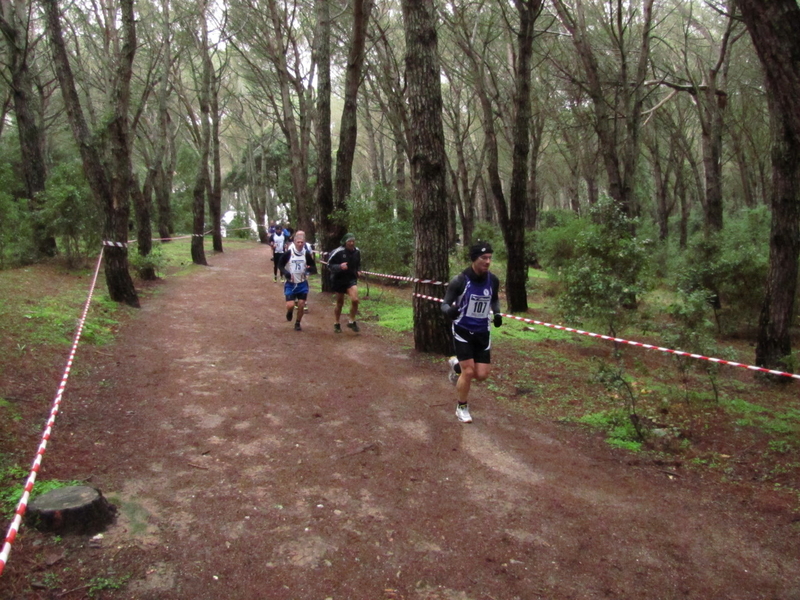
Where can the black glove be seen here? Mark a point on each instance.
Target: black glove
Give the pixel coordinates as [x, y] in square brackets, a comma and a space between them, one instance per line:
[498, 319]
[453, 313]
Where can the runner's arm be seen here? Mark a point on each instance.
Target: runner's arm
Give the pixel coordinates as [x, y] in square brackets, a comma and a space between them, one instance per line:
[312, 266]
[495, 294]
[282, 264]
[454, 289]
[335, 260]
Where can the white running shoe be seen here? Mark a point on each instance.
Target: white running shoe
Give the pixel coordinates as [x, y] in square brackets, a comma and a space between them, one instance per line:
[462, 412]
[455, 370]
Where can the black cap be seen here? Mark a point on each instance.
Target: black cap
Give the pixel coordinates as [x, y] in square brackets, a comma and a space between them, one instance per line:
[479, 249]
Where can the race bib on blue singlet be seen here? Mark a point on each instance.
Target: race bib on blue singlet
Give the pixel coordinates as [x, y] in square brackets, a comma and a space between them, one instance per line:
[478, 306]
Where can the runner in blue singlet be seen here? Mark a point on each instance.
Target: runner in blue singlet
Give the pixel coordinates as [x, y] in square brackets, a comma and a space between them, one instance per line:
[471, 299]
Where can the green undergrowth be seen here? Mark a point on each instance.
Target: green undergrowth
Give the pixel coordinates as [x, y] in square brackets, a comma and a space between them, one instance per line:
[388, 306]
[12, 485]
[783, 422]
[396, 317]
[619, 429]
[35, 318]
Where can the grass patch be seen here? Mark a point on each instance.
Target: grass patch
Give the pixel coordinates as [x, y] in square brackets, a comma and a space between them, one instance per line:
[397, 318]
[12, 485]
[620, 432]
[785, 422]
[9, 410]
[111, 582]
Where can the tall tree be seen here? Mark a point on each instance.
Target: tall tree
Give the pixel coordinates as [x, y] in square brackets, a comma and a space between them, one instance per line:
[297, 133]
[773, 27]
[215, 180]
[707, 89]
[106, 156]
[165, 156]
[466, 173]
[331, 231]
[15, 19]
[514, 221]
[348, 131]
[202, 134]
[498, 117]
[615, 85]
[428, 169]
[388, 88]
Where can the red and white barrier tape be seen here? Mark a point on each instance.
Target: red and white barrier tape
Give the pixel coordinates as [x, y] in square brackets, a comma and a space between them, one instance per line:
[23, 502]
[179, 237]
[720, 361]
[400, 278]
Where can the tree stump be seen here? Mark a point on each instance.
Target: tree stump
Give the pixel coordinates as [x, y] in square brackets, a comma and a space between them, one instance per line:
[75, 509]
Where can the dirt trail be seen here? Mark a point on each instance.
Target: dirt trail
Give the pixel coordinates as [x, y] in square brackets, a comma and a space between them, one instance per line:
[252, 461]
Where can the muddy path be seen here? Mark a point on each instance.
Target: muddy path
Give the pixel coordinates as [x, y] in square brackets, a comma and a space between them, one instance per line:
[252, 461]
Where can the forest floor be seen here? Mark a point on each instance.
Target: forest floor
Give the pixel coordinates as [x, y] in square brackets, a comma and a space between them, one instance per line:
[251, 461]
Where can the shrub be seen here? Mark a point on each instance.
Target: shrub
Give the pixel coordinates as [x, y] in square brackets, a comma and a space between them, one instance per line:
[155, 260]
[387, 245]
[16, 231]
[731, 267]
[70, 211]
[691, 330]
[607, 275]
[556, 239]
[239, 228]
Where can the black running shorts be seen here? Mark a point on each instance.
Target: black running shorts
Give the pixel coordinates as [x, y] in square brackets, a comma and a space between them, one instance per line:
[472, 346]
[341, 286]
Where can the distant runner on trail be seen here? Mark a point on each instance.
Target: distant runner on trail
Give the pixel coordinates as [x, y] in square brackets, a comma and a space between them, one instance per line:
[344, 264]
[296, 264]
[278, 242]
[471, 297]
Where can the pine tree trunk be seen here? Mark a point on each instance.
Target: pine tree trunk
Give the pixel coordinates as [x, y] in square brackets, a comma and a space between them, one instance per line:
[13, 23]
[514, 226]
[202, 183]
[348, 130]
[163, 182]
[111, 188]
[330, 231]
[426, 141]
[215, 182]
[142, 204]
[773, 27]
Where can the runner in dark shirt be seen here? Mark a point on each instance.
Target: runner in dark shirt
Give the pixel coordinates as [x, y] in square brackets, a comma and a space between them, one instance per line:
[344, 264]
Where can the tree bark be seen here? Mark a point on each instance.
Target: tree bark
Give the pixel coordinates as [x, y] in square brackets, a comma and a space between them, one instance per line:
[142, 206]
[514, 226]
[74, 509]
[331, 232]
[348, 130]
[426, 141]
[162, 185]
[202, 182]
[111, 188]
[773, 27]
[215, 181]
[14, 26]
